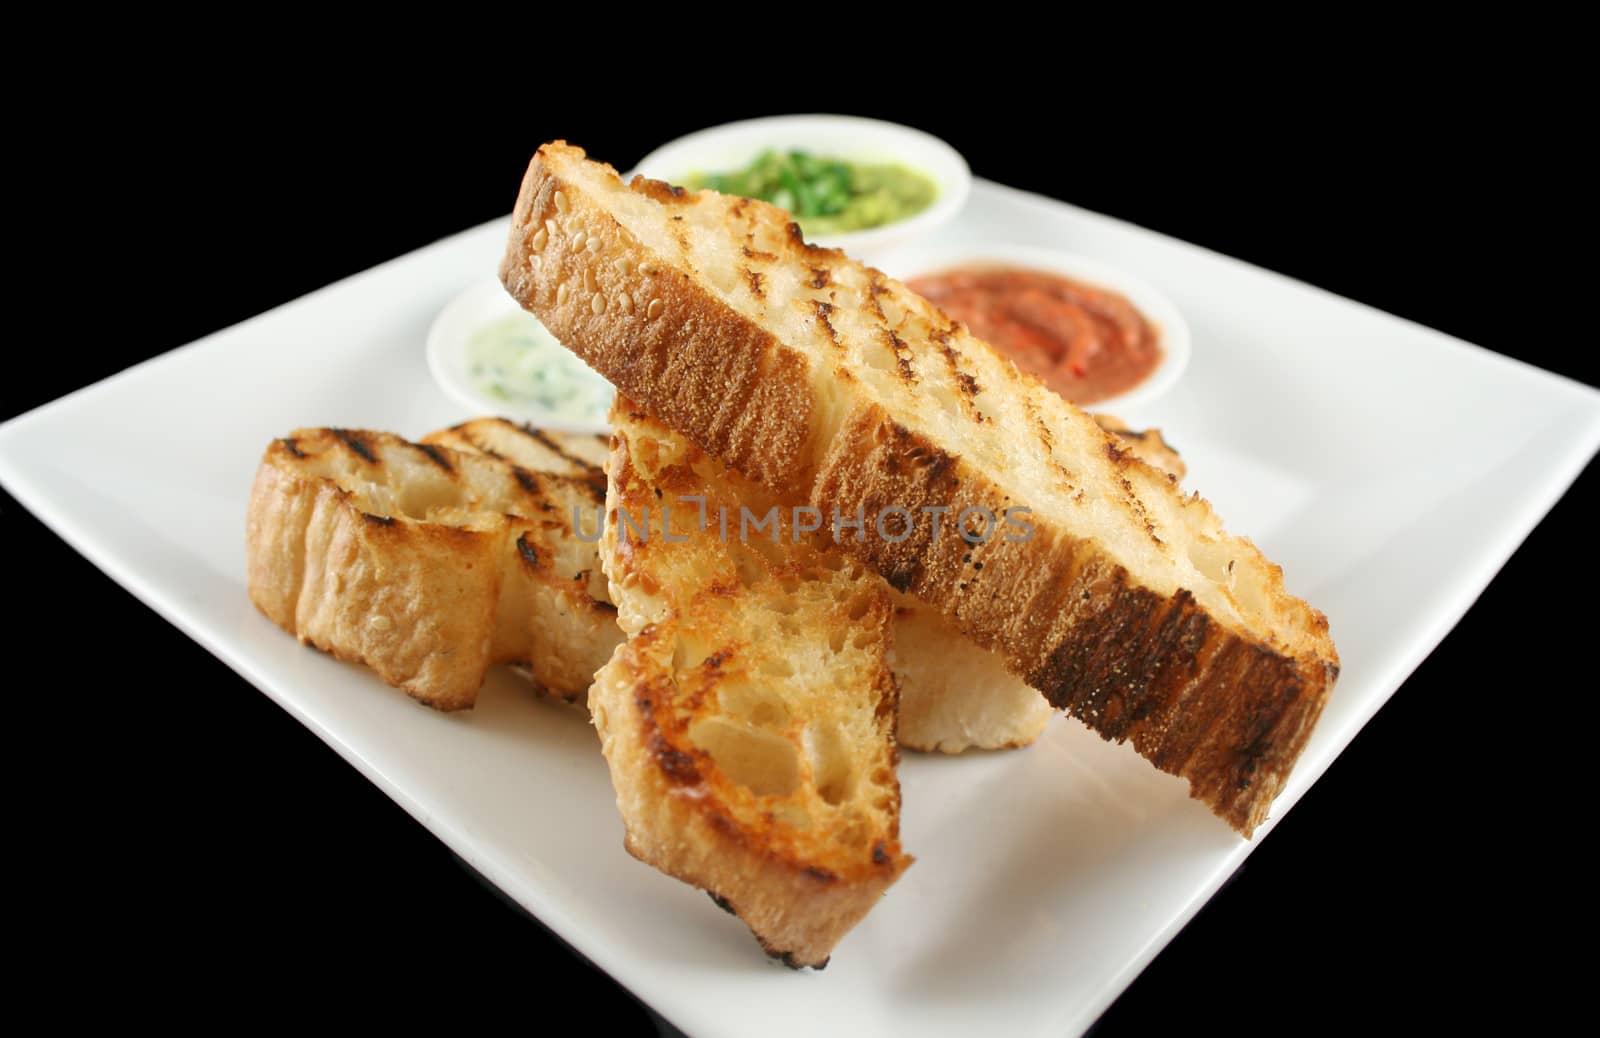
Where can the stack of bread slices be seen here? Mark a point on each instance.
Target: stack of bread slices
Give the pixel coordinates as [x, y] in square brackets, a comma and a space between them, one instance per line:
[790, 558]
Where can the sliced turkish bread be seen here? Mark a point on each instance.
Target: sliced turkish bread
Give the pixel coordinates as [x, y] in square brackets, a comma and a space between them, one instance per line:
[1116, 595]
[954, 696]
[428, 564]
[749, 721]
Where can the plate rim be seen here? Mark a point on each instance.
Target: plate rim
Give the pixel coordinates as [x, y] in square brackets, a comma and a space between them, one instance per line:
[1469, 583]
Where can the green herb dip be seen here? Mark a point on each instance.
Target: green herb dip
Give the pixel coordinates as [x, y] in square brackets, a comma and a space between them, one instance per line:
[517, 360]
[827, 196]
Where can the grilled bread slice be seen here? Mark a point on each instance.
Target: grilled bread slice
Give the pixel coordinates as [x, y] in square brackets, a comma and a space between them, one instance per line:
[1126, 603]
[749, 722]
[428, 564]
[575, 636]
[953, 695]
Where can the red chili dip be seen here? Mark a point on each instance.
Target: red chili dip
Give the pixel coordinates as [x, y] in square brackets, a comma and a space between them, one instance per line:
[1086, 343]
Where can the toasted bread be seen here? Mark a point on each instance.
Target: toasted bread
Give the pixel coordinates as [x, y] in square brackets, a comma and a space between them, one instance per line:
[953, 696]
[577, 455]
[427, 564]
[1127, 604]
[1147, 445]
[749, 722]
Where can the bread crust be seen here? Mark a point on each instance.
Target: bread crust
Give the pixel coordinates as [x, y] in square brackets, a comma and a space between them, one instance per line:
[676, 809]
[749, 722]
[1196, 699]
[414, 603]
[1226, 703]
[429, 603]
[727, 384]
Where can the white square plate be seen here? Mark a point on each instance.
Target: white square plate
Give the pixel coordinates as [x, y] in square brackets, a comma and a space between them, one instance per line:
[1046, 878]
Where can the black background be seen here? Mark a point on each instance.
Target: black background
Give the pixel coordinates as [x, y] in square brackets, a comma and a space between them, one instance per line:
[182, 835]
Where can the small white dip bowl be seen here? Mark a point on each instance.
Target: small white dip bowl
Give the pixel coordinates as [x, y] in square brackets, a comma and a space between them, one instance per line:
[735, 145]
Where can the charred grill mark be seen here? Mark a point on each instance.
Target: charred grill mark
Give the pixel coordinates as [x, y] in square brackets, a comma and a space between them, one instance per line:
[796, 237]
[435, 455]
[1041, 428]
[529, 553]
[542, 438]
[966, 382]
[678, 766]
[903, 574]
[873, 292]
[526, 480]
[1135, 506]
[291, 445]
[823, 311]
[592, 482]
[876, 287]
[355, 440]
[902, 356]
[659, 190]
